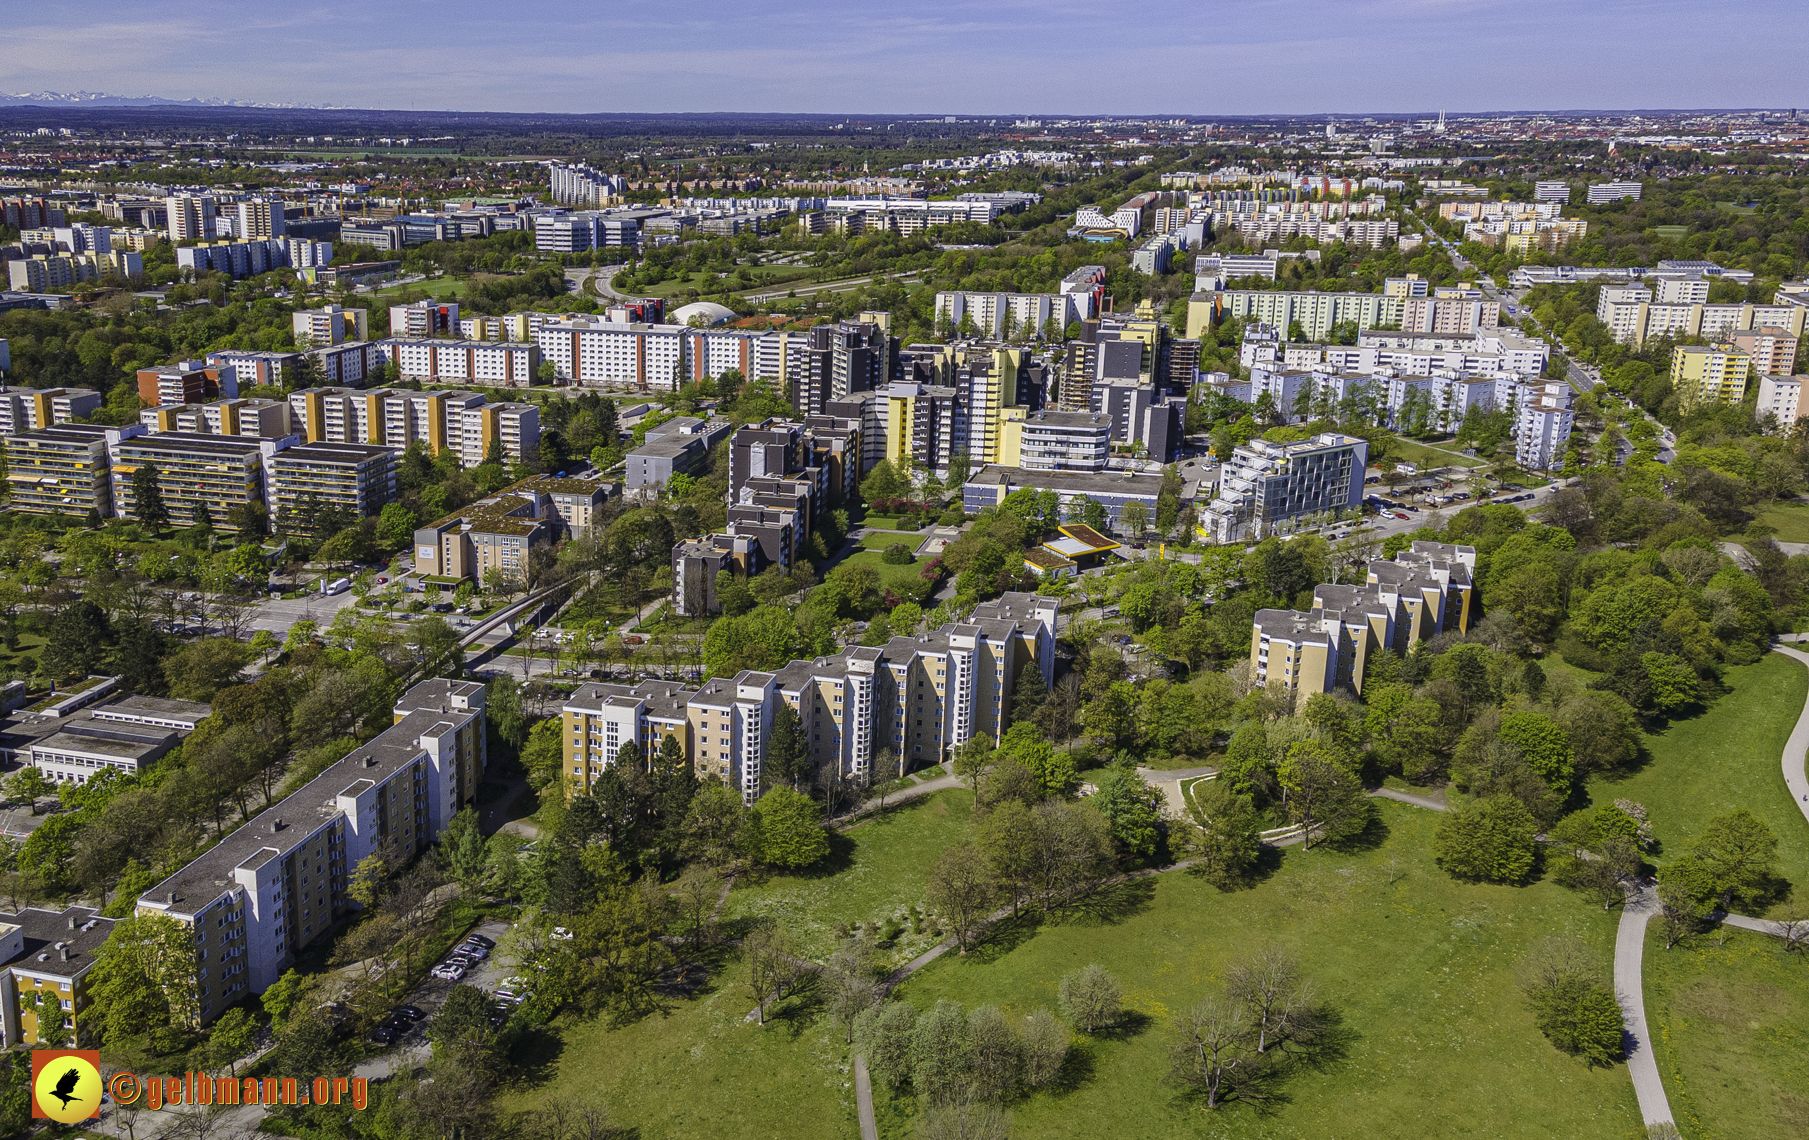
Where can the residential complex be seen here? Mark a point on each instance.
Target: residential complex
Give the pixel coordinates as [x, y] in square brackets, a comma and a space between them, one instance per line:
[278, 884]
[196, 474]
[1677, 305]
[1709, 374]
[63, 470]
[330, 325]
[502, 531]
[46, 956]
[911, 700]
[1426, 590]
[28, 409]
[1264, 487]
[1782, 398]
[463, 422]
[355, 477]
[677, 447]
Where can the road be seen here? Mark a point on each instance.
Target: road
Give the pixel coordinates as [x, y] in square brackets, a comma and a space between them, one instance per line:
[278, 615]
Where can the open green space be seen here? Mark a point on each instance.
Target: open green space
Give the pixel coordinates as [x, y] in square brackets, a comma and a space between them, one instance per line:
[1731, 756]
[1425, 457]
[1736, 208]
[1789, 520]
[888, 574]
[433, 287]
[711, 283]
[878, 872]
[1672, 233]
[1421, 967]
[23, 659]
[880, 540]
[697, 1068]
[1730, 1026]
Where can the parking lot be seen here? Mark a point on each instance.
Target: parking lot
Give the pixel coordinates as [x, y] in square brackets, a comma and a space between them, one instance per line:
[411, 1047]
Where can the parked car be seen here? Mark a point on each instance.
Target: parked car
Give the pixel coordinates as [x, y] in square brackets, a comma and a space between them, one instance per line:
[412, 1012]
[1403, 516]
[449, 971]
[383, 1035]
[486, 943]
[473, 950]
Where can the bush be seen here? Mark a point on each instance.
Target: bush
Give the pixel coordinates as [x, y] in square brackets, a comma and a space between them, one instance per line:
[898, 554]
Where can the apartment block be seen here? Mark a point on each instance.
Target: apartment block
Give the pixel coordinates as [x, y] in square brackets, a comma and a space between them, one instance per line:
[1603, 192]
[1426, 590]
[1635, 314]
[278, 884]
[266, 369]
[191, 217]
[329, 325]
[190, 383]
[424, 319]
[1715, 373]
[501, 532]
[64, 469]
[347, 363]
[28, 409]
[1543, 433]
[696, 562]
[502, 364]
[1055, 441]
[1781, 397]
[1010, 316]
[510, 429]
[1315, 312]
[46, 956]
[195, 472]
[257, 419]
[1265, 486]
[258, 219]
[235, 258]
[1773, 349]
[355, 477]
[1557, 192]
[915, 698]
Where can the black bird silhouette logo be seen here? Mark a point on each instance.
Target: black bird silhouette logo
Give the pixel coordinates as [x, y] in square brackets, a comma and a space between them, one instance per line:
[65, 1090]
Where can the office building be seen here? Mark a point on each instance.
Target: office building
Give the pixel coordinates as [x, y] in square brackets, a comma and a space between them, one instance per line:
[64, 470]
[1264, 487]
[677, 447]
[1050, 440]
[191, 217]
[330, 325]
[279, 884]
[1604, 192]
[988, 487]
[1709, 374]
[47, 955]
[1426, 590]
[28, 409]
[196, 474]
[1773, 349]
[355, 477]
[1781, 397]
[124, 735]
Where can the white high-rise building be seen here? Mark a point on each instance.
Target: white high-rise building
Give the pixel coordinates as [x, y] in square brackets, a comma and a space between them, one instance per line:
[191, 217]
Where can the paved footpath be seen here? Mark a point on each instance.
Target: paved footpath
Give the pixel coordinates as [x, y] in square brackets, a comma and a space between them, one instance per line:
[1629, 987]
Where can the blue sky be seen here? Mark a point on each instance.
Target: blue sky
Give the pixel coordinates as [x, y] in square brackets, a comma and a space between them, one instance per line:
[993, 57]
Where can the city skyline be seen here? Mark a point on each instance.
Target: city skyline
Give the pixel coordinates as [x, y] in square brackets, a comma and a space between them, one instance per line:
[1007, 58]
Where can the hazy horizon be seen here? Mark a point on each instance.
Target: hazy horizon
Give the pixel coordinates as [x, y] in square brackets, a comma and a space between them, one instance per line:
[1005, 58]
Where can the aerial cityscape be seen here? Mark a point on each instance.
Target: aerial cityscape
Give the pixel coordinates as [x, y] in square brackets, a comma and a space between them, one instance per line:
[731, 600]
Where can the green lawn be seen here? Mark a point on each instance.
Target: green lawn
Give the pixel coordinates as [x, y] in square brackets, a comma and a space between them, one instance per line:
[698, 1069]
[879, 871]
[764, 277]
[882, 539]
[1422, 970]
[1728, 757]
[888, 574]
[1790, 520]
[433, 286]
[1731, 1031]
[1424, 457]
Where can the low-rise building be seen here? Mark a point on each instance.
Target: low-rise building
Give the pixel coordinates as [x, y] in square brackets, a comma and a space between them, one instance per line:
[1114, 491]
[677, 447]
[124, 736]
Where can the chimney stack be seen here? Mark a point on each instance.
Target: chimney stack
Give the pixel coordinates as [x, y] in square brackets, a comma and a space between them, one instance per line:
[65, 953]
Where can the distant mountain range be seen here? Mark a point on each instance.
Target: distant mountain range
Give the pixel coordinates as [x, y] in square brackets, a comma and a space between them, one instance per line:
[102, 99]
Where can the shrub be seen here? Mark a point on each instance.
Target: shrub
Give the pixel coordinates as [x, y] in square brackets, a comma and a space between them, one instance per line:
[898, 554]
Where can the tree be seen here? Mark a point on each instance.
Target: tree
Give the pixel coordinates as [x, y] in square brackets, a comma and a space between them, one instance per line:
[1577, 1014]
[1274, 996]
[1133, 519]
[1487, 841]
[962, 889]
[786, 755]
[264, 643]
[77, 641]
[1045, 1048]
[850, 988]
[1545, 746]
[147, 498]
[791, 829]
[197, 671]
[462, 851]
[713, 823]
[883, 1035]
[768, 952]
[231, 1038]
[971, 759]
[1090, 998]
[1740, 855]
[939, 1054]
[1210, 1049]
[1132, 809]
[367, 880]
[1225, 841]
[142, 983]
[1322, 796]
[1686, 898]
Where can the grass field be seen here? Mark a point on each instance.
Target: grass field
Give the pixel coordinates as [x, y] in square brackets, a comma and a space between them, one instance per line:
[1424, 457]
[887, 574]
[1731, 1030]
[1422, 969]
[879, 540]
[763, 276]
[433, 287]
[1728, 757]
[879, 871]
[698, 1069]
[1790, 520]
